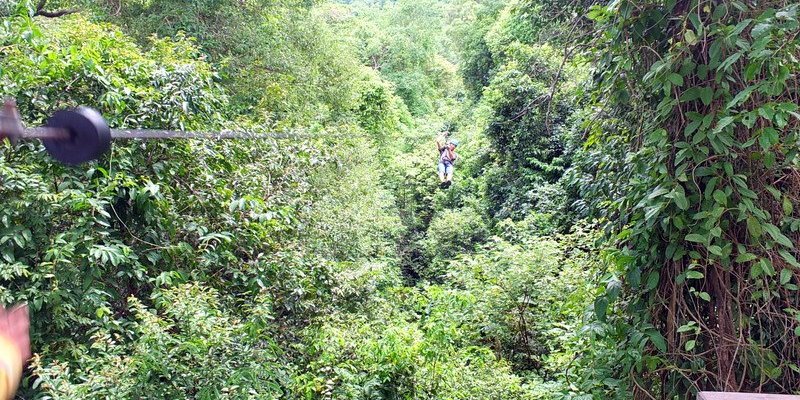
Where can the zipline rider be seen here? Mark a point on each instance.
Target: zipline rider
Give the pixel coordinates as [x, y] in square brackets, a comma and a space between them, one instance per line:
[447, 158]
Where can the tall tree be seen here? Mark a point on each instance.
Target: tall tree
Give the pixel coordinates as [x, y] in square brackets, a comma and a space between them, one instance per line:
[701, 100]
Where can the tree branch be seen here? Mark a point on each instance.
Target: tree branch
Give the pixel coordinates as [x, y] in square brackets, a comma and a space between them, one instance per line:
[52, 14]
[56, 14]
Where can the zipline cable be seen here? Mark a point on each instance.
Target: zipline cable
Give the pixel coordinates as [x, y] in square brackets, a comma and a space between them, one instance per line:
[79, 135]
[164, 134]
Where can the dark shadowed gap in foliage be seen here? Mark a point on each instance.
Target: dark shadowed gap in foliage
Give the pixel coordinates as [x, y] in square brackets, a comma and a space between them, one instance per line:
[410, 256]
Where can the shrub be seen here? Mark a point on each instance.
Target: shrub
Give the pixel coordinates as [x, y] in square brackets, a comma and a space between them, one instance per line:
[452, 233]
[190, 347]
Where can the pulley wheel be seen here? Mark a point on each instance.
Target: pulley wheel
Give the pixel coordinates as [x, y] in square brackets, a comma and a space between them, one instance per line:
[88, 136]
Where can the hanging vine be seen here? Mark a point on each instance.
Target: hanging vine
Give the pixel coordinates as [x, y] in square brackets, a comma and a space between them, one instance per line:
[702, 98]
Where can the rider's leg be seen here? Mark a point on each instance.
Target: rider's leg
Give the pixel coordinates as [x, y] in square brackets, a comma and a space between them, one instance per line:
[442, 170]
[449, 171]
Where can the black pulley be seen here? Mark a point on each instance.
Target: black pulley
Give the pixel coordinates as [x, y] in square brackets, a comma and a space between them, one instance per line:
[88, 136]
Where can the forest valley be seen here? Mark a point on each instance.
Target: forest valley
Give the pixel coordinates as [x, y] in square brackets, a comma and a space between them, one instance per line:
[623, 223]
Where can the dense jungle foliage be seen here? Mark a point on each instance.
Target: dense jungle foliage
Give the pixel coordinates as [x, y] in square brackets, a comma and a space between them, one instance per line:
[623, 221]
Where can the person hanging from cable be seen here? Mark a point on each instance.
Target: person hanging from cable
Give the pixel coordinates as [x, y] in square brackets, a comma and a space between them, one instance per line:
[447, 158]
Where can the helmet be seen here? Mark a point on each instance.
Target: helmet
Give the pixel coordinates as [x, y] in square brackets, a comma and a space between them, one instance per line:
[454, 142]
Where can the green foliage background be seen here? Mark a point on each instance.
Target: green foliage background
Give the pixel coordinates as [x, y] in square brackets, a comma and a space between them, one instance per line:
[623, 222]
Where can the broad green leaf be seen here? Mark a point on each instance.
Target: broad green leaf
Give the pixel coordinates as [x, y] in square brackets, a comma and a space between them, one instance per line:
[754, 227]
[766, 112]
[659, 191]
[652, 281]
[775, 192]
[688, 327]
[748, 193]
[675, 79]
[694, 18]
[786, 276]
[694, 275]
[789, 258]
[690, 37]
[760, 30]
[741, 97]
[755, 270]
[740, 27]
[690, 94]
[776, 235]
[746, 257]
[658, 340]
[722, 124]
[694, 237]
[769, 137]
[600, 308]
[767, 267]
[720, 197]
[680, 198]
[752, 71]
[706, 95]
[652, 212]
[691, 128]
[788, 207]
[729, 61]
